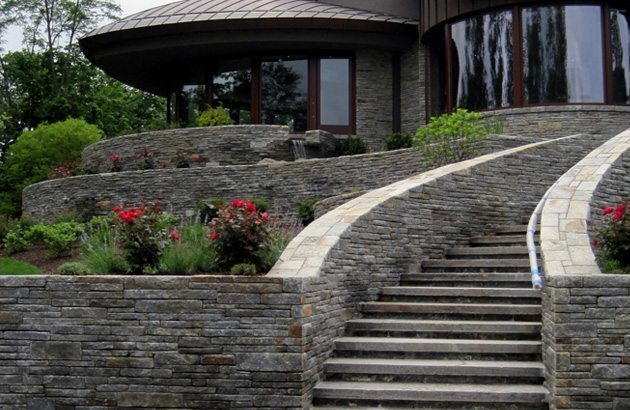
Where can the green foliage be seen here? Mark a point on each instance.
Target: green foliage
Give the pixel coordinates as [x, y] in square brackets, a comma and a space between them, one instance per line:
[58, 238]
[100, 251]
[352, 146]
[209, 208]
[243, 269]
[211, 117]
[262, 205]
[613, 240]
[16, 240]
[189, 252]
[398, 140]
[269, 255]
[37, 152]
[13, 267]
[451, 138]
[306, 210]
[73, 269]
[239, 234]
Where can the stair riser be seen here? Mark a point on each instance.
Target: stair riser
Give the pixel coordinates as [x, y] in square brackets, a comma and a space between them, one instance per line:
[438, 355]
[405, 395]
[485, 269]
[454, 309]
[407, 281]
[450, 316]
[446, 335]
[405, 378]
[332, 404]
[450, 299]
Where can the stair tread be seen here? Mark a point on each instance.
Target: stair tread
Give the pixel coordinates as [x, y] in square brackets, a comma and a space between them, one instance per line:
[476, 262]
[414, 340]
[460, 291]
[471, 276]
[398, 363]
[461, 324]
[487, 250]
[497, 308]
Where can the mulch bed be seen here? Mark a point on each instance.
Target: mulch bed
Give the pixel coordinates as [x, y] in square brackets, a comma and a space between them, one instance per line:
[37, 257]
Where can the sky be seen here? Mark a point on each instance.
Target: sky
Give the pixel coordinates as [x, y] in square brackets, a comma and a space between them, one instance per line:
[13, 37]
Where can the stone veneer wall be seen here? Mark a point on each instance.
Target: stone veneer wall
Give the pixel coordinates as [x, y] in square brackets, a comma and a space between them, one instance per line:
[223, 342]
[556, 121]
[227, 145]
[586, 313]
[412, 89]
[374, 97]
[178, 190]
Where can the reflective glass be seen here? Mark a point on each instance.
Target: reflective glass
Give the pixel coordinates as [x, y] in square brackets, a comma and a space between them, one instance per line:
[334, 108]
[620, 42]
[284, 92]
[562, 54]
[193, 99]
[481, 52]
[231, 89]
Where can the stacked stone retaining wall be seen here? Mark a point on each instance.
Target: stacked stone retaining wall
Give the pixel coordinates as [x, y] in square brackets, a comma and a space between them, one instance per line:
[179, 190]
[586, 313]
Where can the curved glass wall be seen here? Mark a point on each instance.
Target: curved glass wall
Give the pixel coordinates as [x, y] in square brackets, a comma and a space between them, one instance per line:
[562, 54]
[482, 61]
[231, 89]
[284, 92]
[531, 55]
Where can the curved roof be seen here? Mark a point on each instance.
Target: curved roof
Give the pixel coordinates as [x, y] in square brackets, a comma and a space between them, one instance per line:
[188, 11]
[153, 49]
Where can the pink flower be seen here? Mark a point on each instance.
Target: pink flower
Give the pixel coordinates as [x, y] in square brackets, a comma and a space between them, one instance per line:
[175, 236]
[608, 210]
[149, 154]
[265, 216]
[164, 164]
[619, 213]
[195, 157]
[214, 236]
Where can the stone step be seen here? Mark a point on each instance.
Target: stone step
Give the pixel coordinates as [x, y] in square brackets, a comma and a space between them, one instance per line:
[463, 309]
[460, 368]
[444, 326]
[476, 264]
[471, 292]
[497, 251]
[512, 229]
[511, 279]
[494, 240]
[418, 345]
[430, 392]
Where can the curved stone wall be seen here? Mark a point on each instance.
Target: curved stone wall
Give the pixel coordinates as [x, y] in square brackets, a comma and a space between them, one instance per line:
[586, 347]
[178, 190]
[561, 120]
[226, 145]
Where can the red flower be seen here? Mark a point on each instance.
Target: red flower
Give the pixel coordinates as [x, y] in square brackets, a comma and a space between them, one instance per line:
[608, 210]
[195, 157]
[175, 236]
[149, 154]
[117, 208]
[620, 211]
[165, 164]
[251, 208]
[214, 236]
[114, 158]
[236, 203]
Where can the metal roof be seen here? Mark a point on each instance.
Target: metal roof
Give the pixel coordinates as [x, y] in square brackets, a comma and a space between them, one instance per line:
[193, 11]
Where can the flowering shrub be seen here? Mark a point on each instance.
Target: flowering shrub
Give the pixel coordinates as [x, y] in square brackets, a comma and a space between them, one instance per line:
[64, 171]
[142, 235]
[115, 163]
[613, 241]
[239, 234]
[148, 159]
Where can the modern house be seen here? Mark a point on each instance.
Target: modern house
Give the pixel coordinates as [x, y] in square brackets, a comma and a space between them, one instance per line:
[373, 67]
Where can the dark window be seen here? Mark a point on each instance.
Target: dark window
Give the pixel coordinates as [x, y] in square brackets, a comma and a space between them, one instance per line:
[335, 92]
[284, 93]
[193, 101]
[620, 45]
[231, 89]
[562, 54]
[482, 62]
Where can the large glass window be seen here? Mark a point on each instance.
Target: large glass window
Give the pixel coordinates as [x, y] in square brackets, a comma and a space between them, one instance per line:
[482, 61]
[620, 45]
[231, 89]
[284, 92]
[562, 54]
[193, 101]
[334, 90]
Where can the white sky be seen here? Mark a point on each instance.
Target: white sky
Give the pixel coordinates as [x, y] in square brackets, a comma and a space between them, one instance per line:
[13, 37]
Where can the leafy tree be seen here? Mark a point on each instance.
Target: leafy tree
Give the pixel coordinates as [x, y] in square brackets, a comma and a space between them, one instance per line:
[37, 152]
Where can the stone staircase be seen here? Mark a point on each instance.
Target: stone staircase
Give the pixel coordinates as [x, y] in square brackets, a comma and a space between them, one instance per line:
[462, 334]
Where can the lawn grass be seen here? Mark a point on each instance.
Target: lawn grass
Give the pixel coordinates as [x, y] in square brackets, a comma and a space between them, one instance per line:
[13, 267]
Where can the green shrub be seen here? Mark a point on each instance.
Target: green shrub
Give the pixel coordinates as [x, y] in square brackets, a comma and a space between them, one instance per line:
[16, 240]
[243, 269]
[7, 223]
[209, 209]
[352, 146]
[58, 238]
[177, 259]
[451, 138]
[306, 210]
[13, 267]
[398, 140]
[190, 251]
[100, 252]
[239, 233]
[270, 254]
[68, 216]
[73, 269]
[214, 116]
[35, 154]
[262, 205]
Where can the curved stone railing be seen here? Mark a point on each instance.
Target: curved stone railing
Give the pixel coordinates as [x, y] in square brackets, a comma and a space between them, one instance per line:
[585, 311]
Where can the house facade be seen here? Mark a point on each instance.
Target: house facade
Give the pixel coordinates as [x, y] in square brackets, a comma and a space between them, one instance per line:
[370, 68]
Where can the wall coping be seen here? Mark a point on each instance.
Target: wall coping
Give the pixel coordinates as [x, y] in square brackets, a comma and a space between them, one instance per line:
[565, 244]
[306, 255]
[558, 108]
